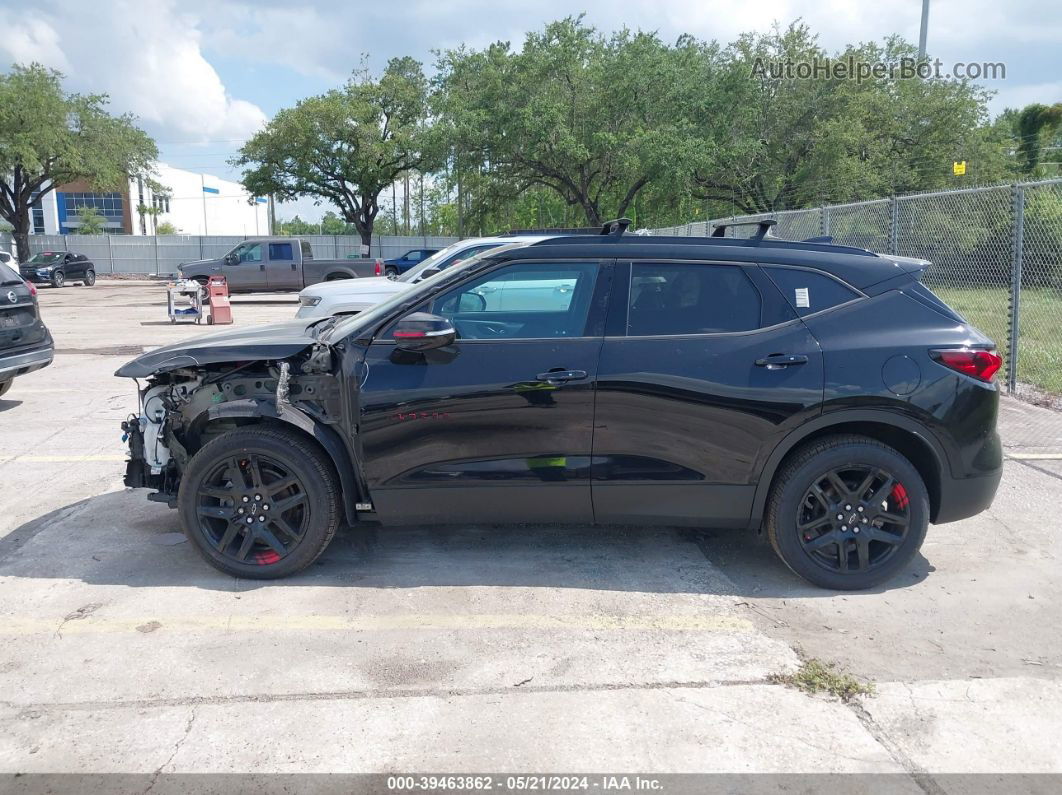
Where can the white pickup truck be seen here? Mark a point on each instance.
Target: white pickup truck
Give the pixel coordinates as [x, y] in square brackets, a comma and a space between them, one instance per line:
[356, 295]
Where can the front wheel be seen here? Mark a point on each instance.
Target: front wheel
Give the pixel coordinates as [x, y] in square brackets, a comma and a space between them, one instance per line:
[391, 273]
[58, 279]
[260, 502]
[847, 513]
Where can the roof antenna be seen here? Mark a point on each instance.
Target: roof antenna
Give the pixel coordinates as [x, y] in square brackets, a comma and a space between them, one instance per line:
[616, 228]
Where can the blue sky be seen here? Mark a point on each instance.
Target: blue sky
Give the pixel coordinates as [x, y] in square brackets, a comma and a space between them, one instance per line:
[203, 75]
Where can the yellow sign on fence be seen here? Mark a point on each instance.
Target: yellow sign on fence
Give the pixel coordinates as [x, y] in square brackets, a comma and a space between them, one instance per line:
[958, 168]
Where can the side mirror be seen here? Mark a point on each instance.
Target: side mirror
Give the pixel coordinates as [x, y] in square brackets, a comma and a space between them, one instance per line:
[423, 332]
[430, 272]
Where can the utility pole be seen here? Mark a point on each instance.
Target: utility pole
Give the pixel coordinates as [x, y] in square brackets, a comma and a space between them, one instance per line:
[460, 207]
[394, 207]
[405, 202]
[924, 31]
[423, 228]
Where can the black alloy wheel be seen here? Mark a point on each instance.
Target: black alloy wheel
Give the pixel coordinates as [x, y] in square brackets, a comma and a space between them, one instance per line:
[847, 512]
[260, 502]
[252, 509]
[853, 518]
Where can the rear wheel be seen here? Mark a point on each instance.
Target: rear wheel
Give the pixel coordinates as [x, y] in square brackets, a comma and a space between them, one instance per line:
[58, 279]
[260, 502]
[847, 513]
[335, 277]
[90, 278]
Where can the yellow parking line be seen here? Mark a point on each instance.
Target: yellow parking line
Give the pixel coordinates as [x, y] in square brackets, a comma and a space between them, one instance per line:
[60, 459]
[92, 625]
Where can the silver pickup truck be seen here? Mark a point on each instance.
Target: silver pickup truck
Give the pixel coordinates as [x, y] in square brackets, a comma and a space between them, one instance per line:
[277, 263]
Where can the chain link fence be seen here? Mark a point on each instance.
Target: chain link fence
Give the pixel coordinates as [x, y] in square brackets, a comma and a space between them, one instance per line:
[996, 257]
[160, 256]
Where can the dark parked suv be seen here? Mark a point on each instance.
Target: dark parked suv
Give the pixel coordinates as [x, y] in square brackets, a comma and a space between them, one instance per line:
[818, 392]
[25, 344]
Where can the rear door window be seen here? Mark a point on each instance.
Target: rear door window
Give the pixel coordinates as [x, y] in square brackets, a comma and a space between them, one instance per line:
[307, 252]
[691, 298]
[809, 291]
[280, 251]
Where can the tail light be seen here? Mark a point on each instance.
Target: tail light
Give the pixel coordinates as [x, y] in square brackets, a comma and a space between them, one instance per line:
[32, 289]
[379, 267]
[981, 365]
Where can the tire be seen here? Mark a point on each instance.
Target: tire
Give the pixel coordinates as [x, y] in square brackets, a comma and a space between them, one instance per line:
[279, 456]
[805, 501]
[335, 277]
[202, 281]
[58, 279]
[391, 273]
[5, 386]
[90, 278]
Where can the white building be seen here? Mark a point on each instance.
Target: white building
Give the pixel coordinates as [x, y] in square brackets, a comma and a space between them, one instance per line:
[195, 204]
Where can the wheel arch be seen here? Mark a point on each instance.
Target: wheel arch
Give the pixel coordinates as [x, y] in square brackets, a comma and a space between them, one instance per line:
[906, 436]
[266, 412]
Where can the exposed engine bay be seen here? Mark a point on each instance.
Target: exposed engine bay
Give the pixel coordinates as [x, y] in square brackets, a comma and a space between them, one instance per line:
[184, 408]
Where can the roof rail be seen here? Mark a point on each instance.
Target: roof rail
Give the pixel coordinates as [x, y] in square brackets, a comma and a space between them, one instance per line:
[719, 230]
[616, 228]
[554, 230]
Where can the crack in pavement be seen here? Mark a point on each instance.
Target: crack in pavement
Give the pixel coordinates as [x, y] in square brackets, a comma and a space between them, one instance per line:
[359, 695]
[918, 774]
[176, 747]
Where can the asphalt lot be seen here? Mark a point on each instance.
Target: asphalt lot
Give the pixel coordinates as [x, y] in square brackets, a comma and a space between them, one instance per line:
[528, 649]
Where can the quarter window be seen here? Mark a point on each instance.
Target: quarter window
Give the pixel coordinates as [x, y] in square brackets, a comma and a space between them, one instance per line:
[522, 301]
[691, 298]
[808, 291]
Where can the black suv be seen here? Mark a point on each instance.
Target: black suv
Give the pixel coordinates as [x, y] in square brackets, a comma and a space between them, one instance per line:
[57, 268]
[817, 391]
[25, 344]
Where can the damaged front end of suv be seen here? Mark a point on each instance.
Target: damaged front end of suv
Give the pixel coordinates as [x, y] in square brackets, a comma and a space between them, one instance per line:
[281, 382]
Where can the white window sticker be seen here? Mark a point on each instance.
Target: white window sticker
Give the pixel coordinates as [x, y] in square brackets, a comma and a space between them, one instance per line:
[803, 301]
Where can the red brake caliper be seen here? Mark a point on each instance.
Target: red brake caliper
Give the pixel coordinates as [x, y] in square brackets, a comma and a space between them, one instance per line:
[266, 557]
[899, 493]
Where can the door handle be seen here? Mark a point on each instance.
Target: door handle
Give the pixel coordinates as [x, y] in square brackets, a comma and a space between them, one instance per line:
[261, 267]
[560, 376]
[776, 361]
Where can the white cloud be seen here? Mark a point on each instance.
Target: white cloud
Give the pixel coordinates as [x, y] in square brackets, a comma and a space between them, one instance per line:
[146, 55]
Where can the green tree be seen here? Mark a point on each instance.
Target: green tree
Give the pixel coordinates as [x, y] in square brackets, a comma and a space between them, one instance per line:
[92, 222]
[166, 228]
[49, 137]
[593, 118]
[1034, 123]
[783, 142]
[345, 146]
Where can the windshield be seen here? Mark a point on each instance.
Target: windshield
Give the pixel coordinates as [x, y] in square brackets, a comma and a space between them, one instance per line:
[368, 319]
[44, 258]
[439, 259]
